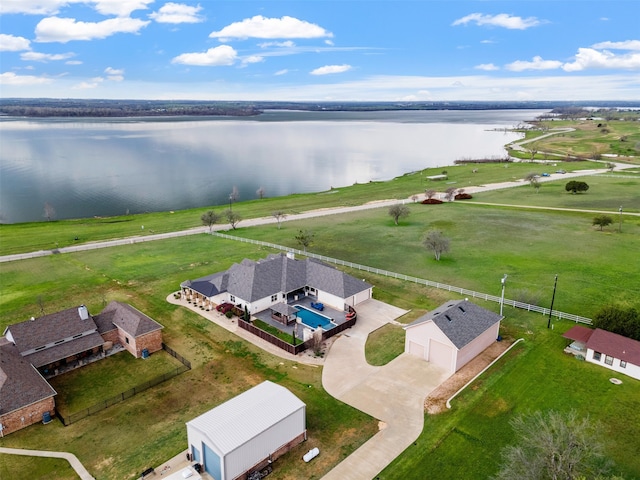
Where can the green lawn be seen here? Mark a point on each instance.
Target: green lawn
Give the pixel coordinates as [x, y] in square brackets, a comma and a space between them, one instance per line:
[107, 378]
[384, 344]
[36, 468]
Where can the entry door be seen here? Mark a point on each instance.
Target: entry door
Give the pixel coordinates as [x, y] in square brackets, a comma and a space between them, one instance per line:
[212, 463]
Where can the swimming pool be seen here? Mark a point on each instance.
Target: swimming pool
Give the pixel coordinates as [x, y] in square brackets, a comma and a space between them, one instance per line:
[313, 319]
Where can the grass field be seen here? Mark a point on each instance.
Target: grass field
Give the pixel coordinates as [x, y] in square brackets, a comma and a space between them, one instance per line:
[531, 246]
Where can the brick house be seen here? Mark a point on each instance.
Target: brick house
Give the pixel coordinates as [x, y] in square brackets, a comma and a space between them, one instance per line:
[25, 396]
[55, 343]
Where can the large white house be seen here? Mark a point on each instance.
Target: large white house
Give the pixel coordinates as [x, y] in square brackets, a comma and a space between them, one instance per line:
[279, 278]
[453, 334]
[607, 349]
[247, 432]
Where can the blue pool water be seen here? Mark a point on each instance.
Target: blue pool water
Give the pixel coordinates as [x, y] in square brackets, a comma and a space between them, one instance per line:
[313, 319]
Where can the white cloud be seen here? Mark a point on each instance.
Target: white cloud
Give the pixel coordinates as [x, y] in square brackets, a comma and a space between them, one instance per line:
[281, 72]
[218, 56]
[11, 43]
[626, 45]
[252, 59]
[537, 63]
[120, 8]
[45, 57]
[285, 44]
[73, 62]
[93, 83]
[177, 13]
[500, 20]
[63, 30]
[488, 67]
[113, 74]
[330, 69]
[262, 27]
[588, 58]
[10, 78]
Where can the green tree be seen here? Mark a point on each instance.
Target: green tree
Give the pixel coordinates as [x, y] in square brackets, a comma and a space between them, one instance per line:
[624, 321]
[435, 241]
[576, 186]
[554, 446]
[398, 211]
[602, 221]
[233, 218]
[305, 239]
[209, 219]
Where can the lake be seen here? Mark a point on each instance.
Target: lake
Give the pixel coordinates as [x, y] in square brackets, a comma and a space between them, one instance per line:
[102, 167]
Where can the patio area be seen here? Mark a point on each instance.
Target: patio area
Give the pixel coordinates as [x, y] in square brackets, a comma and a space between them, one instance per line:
[337, 316]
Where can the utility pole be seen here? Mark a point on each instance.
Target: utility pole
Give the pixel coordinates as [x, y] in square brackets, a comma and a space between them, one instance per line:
[552, 299]
[504, 282]
[230, 199]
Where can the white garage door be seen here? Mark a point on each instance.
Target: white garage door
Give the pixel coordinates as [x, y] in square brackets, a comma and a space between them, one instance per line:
[441, 354]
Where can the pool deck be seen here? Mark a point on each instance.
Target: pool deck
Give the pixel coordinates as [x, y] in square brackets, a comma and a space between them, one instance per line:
[337, 316]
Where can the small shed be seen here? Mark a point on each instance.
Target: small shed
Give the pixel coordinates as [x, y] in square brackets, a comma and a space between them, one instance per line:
[247, 432]
[283, 313]
[453, 334]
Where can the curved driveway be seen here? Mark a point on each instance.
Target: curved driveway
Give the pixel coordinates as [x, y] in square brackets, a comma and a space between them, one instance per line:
[394, 393]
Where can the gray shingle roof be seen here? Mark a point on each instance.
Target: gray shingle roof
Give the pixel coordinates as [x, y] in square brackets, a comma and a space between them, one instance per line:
[253, 280]
[20, 382]
[66, 349]
[50, 328]
[129, 319]
[461, 321]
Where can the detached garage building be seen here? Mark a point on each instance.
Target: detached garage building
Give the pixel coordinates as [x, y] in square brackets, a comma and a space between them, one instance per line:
[453, 334]
[247, 432]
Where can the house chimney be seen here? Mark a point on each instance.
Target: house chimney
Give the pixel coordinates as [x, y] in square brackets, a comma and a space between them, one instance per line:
[83, 312]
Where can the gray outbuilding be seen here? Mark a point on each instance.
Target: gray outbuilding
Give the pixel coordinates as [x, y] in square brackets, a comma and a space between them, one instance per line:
[248, 432]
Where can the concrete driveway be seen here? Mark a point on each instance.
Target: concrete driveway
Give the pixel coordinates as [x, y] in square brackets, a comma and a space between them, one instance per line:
[394, 393]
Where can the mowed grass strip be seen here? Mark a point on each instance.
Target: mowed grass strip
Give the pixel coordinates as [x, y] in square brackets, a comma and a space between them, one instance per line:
[384, 344]
[102, 380]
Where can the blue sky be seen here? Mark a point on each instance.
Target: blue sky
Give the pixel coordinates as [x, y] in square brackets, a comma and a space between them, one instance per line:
[306, 50]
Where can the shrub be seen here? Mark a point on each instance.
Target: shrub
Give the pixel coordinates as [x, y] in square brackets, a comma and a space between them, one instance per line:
[463, 196]
[229, 314]
[432, 201]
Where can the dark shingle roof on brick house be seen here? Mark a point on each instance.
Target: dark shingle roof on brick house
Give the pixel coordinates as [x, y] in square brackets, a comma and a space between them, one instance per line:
[253, 280]
[461, 321]
[128, 319]
[20, 382]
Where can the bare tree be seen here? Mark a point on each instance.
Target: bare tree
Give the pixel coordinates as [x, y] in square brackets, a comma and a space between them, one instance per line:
[233, 218]
[554, 445]
[398, 211]
[532, 178]
[305, 238]
[414, 198]
[449, 193]
[279, 215]
[49, 212]
[260, 193]
[532, 149]
[209, 219]
[430, 193]
[611, 166]
[317, 341]
[435, 241]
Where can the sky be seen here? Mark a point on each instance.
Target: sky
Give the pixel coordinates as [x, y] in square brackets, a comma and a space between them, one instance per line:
[321, 50]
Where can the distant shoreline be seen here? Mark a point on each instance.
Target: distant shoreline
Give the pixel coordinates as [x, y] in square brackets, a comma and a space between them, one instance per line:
[96, 108]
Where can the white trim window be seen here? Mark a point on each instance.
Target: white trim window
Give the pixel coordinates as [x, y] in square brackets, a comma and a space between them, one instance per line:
[274, 297]
[596, 356]
[623, 364]
[232, 298]
[608, 359]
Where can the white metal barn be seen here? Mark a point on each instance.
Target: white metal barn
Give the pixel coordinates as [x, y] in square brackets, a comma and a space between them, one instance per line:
[453, 334]
[247, 432]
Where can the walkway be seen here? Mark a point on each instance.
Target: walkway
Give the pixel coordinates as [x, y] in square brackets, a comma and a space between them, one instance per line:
[394, 393]
[71, 458]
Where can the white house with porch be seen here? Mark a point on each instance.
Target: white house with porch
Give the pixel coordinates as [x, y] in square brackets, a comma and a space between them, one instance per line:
[260, 284]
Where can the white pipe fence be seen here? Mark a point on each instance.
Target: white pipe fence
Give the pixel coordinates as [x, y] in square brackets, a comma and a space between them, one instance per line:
[443, 286]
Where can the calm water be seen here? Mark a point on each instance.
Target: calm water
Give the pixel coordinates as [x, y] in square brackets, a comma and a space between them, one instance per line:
[102, 167]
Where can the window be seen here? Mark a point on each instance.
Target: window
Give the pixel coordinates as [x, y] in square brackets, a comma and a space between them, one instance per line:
[232, 298]
[596, 356]
[126, 339]
[274, 298]
[608, 360]
[623, 364]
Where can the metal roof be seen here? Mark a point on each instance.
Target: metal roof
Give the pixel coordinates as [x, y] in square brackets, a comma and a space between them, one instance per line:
[236, 421]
